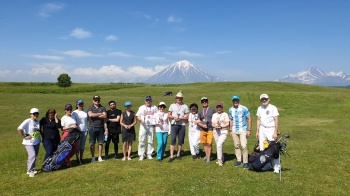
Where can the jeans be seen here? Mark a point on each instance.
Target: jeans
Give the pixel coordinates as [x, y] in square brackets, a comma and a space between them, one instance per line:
[50, 145]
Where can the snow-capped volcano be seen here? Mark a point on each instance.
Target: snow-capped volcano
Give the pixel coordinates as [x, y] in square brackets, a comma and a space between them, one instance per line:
[316, 76]
[181, 72]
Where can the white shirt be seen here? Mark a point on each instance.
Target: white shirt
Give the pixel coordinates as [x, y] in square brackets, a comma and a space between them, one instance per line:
[179, 110]
[67, 121]
[267, 115]
[192, 124]
[220, 119]
[81, 117]
[147, 114]
[29, 126]
[162, 120]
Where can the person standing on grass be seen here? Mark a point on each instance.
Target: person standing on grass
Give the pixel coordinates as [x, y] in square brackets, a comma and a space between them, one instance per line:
[145, 115]
[267, 126]
[220, 122]
[178, 112]
[241, 130]
[206, 134]
[114, 129]
[97, 115]
[128, 121]
[49, 129]
[162, 130]
[81, 117]
[29, 130]
[68, 123]
[194, 131]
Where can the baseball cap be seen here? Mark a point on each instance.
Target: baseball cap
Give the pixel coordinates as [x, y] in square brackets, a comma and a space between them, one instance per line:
[148, 98]
[204, 99]
[96, 97]
[219, 104]
[80, 101]
[34, 110]
[68, 106]
[127, 103]
[161, 103]
[235, 97]
[264, 96]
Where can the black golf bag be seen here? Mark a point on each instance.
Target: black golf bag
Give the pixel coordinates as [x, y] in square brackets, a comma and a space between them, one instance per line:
[54, 161]
[259, 159]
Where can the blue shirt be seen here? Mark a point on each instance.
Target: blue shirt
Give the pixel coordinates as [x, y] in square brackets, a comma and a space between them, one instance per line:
[239, 118]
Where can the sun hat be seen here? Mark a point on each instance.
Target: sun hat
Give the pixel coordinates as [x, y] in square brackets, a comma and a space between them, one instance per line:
[235, 97]
[264, 96]
[127, 103]
[179, 94]
[34, 110]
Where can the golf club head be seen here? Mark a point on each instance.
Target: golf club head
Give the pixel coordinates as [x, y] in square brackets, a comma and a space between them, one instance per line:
[286, 136]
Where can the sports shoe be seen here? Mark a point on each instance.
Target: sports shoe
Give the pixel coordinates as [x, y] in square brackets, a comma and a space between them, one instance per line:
[115, 157]
[149, 157]
[245, 166]
[141, 158]
[198, 156]
[179, 157]
[100, 159]
[171, 159]
[123, 159]
[93, 160]
[33, 171]
[238, 163]
[129, 159]
[220, 164]
[276, 170]
[31, 174]
[205, 159]
[194, 157]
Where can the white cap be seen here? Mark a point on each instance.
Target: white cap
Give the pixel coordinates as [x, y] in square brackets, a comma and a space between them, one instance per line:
[179, 94]
[161, 103]
[204, 98]
[33, 110]
[264, 96]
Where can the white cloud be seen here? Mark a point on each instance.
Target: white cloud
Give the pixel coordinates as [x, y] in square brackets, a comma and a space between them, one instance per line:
[111, 38]
[79, 53]
[120, 54]
[46, 57]
[184, 54]
[223, 52]
[80, 33]
[173, 19]
[48, 9]
[155, 58]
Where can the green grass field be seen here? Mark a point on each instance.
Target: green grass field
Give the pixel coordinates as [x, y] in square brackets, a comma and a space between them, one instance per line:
[317, 118]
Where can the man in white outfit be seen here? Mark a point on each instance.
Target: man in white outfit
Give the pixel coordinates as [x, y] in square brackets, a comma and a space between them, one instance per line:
[145, 115]
[267, 126]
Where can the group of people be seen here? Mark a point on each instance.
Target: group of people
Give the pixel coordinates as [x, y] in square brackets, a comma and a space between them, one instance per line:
[105, 126]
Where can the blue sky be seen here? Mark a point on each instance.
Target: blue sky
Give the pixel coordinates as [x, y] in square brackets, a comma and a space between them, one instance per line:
[126, 41]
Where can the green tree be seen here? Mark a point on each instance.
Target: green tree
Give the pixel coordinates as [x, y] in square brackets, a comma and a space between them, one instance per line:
[64, 80]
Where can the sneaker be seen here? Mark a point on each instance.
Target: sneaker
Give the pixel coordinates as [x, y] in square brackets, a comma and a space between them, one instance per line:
[33, 171]
[141, 158]
[220, 164]
[129, 159]
[115, 157]
[245, 166]
[100, 159]
[207, 161]
[123, 159]
[159, 160]
[149, 157]
[276, 170]
[238, 163]
[93, 160]
[171, 159]
[194, 157]
[198, 156]
[179, 157]
[31, 174]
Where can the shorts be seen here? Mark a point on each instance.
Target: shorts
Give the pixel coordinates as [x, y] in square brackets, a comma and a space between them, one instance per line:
[96, 134]
[178, 130]
[206, 137]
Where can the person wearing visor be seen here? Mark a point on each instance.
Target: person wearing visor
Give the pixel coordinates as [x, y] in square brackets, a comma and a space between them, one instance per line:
[194, 131]
[204, 121]
[145, 115]
[178, 113]
[128, 121]
[97, 115]
[80, 115]
[162, 130]
[241, 124]
[29, 130]
[267, 126]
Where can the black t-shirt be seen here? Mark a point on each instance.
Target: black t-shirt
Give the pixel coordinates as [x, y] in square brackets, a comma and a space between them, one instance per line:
[113, 127]
[50, 128]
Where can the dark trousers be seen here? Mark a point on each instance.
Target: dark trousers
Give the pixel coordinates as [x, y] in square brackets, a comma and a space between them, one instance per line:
[50, 145]
[114, 137]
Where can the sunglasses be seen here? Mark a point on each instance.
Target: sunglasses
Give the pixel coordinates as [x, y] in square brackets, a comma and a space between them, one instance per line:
[162, 106]
[69, 109]
[36, 113]
[97, 100]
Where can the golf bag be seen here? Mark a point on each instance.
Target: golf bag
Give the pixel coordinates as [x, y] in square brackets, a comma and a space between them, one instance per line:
[261, 161]
[54, 161]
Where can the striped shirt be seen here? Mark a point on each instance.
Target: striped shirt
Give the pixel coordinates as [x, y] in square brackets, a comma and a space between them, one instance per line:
[239, 118]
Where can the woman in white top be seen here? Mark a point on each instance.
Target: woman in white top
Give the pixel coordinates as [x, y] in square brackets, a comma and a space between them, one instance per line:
[29, 130]
[162, 129]
[81, 117]
[194, 131]
[220, 122]
[69, 123]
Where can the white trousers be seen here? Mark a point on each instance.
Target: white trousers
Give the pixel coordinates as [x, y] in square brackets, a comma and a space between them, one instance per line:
[145, 132]
[220, 138]
[267, 134]
[194, 139]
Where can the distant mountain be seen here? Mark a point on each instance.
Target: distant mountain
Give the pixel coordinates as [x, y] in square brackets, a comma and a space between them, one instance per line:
[181, 72]
[316, 76]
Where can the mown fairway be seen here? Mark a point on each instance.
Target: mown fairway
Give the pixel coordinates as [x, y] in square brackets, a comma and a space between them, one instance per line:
[317, 118]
